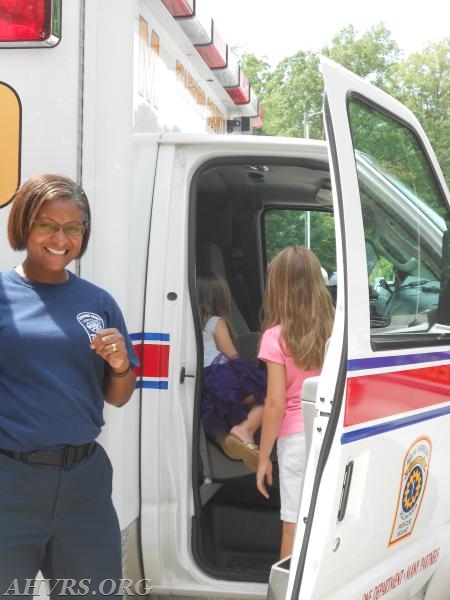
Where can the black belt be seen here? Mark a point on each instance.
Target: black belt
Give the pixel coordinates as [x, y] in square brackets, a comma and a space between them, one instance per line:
[61, 457]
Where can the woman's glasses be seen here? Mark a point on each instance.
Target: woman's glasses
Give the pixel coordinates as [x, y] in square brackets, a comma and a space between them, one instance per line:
[48, 227]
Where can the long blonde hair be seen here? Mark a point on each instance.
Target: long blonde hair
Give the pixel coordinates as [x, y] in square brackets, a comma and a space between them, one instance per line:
[297, 299]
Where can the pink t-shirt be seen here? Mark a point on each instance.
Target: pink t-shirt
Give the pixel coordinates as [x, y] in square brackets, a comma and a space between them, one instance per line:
[271, 349]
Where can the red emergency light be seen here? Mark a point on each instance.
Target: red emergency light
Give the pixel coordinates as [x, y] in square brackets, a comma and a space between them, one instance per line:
[180, 8]
[215, 52]
[30, 23]
[240, 94]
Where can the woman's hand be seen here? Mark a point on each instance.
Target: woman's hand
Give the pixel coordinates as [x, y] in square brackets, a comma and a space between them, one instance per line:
[110, 345]
[121, 381]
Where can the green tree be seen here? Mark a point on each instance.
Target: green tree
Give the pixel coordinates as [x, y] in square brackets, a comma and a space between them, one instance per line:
[257, 71]
[295, 87]
[291, 89]
[422, 83]
[285, 227]
[371, 56]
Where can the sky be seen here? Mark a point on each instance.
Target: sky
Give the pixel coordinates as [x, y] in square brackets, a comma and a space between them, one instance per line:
[276, 29]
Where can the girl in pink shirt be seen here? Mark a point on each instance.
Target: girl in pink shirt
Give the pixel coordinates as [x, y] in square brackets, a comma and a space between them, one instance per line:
[298, 319]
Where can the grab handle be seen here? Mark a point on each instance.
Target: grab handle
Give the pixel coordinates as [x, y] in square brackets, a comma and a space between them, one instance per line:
[345, 490]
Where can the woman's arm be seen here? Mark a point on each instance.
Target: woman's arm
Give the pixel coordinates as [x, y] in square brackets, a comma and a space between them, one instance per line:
[121, 380]
[117, 389]
[223, 340]
[273, 414]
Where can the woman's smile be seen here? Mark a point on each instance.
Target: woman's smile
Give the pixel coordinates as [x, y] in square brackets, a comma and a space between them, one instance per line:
[54, 240]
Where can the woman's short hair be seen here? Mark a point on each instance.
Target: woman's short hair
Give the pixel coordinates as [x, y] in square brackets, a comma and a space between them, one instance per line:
[32, 195]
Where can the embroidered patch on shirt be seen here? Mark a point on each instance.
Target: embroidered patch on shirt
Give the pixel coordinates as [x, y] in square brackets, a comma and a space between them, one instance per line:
[91, 322]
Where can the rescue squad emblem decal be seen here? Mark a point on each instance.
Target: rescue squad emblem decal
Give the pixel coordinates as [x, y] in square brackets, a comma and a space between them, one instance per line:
[412, 488]
[91, 322]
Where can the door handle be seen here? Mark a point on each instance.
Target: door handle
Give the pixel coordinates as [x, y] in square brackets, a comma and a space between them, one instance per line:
[345, 490]
[183, 375]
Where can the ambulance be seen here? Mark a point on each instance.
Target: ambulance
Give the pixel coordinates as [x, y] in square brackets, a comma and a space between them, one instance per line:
[170, 193]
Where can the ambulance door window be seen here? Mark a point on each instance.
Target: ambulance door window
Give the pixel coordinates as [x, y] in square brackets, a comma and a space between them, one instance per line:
[313, 229]
[405, 220]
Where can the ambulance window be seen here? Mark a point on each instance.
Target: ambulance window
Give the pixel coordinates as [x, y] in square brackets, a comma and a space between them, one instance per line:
[10, 143]
[313, 229]
[405, 221]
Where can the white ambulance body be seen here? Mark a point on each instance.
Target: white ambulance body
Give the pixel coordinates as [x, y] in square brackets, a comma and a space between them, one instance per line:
[371, 202]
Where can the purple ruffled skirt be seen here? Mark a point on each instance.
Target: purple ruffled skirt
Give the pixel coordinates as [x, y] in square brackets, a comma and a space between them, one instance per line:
[225, 386]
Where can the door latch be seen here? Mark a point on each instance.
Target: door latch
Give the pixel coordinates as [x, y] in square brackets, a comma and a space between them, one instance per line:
[183, 375]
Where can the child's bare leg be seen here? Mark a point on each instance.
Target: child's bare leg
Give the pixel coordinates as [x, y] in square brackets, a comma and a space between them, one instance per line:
[245, 431]
[287, 539]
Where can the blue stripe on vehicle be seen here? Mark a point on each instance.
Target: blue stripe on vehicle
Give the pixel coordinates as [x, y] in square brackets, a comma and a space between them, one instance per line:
[377, 362]
[153, 385]
[365, 432]
[150, 337]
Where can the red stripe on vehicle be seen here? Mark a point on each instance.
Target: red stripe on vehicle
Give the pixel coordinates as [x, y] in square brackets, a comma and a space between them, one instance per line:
[154, 359]
[381, 395]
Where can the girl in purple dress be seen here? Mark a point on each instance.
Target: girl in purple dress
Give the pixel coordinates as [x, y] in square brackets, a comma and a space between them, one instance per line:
[233, 388]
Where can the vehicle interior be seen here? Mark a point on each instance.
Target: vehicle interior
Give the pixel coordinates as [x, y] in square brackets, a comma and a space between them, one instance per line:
[245, 211]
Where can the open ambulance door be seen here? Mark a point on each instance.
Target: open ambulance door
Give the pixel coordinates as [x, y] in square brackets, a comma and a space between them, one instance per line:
[375, 514]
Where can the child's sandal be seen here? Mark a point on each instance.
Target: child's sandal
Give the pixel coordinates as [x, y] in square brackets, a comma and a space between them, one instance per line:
[236, 449]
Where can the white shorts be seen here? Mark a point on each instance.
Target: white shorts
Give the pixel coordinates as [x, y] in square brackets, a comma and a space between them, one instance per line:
[291, 452]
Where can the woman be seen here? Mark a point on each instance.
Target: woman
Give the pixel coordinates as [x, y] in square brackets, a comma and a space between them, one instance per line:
[64, 350]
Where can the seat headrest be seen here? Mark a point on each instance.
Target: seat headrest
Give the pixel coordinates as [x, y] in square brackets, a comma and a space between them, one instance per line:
[214, 221]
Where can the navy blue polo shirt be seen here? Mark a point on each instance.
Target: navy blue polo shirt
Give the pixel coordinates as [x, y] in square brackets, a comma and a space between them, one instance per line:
[50, 378]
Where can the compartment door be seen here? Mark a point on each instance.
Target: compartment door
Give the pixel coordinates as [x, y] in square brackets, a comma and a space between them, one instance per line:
[375, 506]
